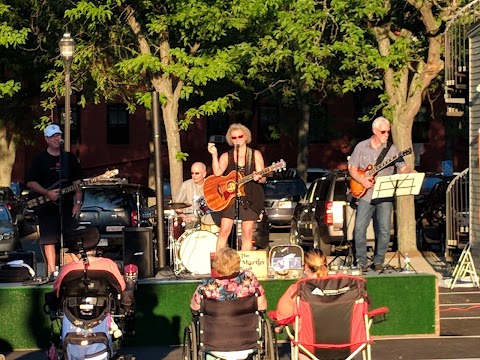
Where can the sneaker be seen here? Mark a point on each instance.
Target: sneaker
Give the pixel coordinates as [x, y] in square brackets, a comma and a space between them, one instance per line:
[52, 277]
[378, 267]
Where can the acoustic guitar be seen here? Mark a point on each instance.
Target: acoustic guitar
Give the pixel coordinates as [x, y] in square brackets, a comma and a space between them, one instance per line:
[42, 200]
[219, 191]
[357, 189]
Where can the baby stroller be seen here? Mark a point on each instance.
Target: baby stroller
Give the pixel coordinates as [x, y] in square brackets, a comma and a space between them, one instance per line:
[89, 306]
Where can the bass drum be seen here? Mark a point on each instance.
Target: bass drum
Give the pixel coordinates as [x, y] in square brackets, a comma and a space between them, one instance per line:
[195, 247]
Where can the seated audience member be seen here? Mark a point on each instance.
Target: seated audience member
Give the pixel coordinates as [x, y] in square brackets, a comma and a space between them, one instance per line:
[92, 262]
[315, 267]
[233, 282]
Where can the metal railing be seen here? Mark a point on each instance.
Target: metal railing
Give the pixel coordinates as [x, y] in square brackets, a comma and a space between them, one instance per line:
[458, 211]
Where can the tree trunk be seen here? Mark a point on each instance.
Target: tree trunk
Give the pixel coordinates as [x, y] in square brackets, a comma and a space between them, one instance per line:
[406, 224]
[8, 151]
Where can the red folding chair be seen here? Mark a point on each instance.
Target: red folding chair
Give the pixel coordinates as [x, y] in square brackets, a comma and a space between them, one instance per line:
[331, 319]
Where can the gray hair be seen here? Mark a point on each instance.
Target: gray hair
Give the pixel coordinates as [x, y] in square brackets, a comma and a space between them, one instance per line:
[379, 120]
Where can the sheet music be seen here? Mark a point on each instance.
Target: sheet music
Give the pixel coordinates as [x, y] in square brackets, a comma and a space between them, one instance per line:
[397, 185]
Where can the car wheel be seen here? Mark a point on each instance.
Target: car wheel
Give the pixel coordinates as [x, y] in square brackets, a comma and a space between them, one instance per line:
[319, 244]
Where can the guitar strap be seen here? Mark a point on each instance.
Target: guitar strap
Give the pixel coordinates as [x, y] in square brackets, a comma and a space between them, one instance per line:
[250, 166]
[383, 153]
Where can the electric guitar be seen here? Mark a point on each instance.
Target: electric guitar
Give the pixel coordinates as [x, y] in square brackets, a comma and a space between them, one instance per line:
[219, 191]
[42, 200]
[358, 190]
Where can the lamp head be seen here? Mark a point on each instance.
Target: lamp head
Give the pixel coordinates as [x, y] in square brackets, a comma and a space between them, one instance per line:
[67, 47]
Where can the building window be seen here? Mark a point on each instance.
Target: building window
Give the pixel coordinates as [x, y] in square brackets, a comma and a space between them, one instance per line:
[117, 125]
[74, 123]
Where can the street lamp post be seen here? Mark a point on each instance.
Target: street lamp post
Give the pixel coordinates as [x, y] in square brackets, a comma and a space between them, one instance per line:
[67, 50]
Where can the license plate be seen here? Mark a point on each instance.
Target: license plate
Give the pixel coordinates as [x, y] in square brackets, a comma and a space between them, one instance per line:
[103, 242]
[114, 228]
[284, 204]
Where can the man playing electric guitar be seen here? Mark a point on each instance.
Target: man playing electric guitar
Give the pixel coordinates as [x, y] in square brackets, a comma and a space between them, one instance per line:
[366, 153]
[247, 161]
[48, 168]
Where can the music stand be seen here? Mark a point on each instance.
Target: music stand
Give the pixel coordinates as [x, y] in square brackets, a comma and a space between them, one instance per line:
[398, 185]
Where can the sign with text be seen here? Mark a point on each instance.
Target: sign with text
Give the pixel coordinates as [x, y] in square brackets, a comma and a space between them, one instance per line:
[255, 261]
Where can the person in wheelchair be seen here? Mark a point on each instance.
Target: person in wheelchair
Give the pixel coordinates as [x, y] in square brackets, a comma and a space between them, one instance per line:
[232, 282]
[231, 286]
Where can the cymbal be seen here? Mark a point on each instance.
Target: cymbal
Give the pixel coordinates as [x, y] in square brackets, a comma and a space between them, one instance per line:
[175, 206]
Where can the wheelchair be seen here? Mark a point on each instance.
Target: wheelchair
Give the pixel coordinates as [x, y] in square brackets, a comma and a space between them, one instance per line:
[230, 329]
[92, 314]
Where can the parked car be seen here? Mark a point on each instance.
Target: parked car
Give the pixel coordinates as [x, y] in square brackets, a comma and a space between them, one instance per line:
[111, 205]
[312, 174]
[9, 238]
[325, 219]
[281, 197]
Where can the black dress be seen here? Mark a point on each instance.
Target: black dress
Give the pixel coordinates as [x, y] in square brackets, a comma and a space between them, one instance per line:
[252, 203]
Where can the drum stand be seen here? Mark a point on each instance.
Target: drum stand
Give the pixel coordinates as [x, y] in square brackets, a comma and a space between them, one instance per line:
[172, 246]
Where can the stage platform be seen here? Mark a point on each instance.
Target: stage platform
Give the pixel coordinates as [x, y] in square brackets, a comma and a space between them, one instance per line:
[162, 310]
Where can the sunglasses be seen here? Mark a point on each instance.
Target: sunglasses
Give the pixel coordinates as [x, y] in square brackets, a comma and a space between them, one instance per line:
[237, 137]
[196, 173]
[383, 132]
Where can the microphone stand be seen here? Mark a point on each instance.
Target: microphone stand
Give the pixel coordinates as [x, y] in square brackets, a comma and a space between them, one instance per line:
[237, 199]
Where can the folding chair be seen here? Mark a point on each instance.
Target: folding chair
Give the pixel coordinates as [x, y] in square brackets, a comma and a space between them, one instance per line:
[331, 319]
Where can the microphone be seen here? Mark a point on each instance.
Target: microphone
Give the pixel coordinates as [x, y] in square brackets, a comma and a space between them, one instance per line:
[61, 142]
[237, 148]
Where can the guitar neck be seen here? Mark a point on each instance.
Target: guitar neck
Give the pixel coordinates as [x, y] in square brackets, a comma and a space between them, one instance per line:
[248, 178]
[71, 188]
[382, 165]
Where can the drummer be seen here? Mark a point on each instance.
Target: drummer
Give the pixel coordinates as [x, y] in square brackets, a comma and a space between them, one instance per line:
[190, 193]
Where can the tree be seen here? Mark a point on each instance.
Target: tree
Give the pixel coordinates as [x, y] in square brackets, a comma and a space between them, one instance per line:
[395, 46]
[292, 60]
[13, 34]
[127, 49]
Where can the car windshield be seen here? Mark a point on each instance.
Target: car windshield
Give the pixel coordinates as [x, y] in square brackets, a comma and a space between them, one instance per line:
[107, 199]
[277, 189]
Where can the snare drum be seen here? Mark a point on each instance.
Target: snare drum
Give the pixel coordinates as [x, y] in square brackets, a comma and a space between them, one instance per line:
[208, 223]
[194, 251]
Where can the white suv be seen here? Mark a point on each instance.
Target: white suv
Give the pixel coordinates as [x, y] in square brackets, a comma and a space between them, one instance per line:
[325, 219]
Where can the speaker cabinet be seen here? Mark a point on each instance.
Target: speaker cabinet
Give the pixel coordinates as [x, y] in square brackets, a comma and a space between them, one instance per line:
[138, 250]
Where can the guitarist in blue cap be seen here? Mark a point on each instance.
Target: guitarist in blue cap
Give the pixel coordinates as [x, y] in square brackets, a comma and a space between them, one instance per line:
[50, 169]
[386, 157]
[246, 161]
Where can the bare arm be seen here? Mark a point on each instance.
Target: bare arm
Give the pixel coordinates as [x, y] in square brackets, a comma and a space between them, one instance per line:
[218, 165]
[52, 194]
[262, 303]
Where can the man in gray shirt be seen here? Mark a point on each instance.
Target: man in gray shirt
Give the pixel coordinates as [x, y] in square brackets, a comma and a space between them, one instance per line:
[366, 153]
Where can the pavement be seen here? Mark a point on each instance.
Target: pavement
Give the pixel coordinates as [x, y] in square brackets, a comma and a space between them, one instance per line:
[460, 332]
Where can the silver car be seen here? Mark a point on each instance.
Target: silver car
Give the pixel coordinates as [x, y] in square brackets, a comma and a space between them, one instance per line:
[281, 198]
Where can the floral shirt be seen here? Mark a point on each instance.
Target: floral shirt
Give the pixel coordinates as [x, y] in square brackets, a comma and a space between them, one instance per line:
[241, 285]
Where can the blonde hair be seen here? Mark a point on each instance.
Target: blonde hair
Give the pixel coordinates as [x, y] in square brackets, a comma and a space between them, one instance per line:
[237, 126]
[226, 261]
[316, 263]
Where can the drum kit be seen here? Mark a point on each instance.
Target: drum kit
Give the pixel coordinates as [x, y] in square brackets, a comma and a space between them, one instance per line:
[189, 250]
